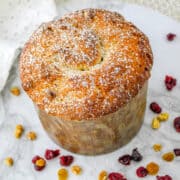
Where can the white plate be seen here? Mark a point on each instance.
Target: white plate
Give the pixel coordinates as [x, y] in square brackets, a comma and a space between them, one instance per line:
[20, 110]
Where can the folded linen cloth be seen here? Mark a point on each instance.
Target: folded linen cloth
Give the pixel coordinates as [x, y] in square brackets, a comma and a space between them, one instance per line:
[18, 19]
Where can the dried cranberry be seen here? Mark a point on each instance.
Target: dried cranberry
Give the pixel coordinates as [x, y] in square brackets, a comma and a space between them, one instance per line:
[141, 172]
[35, 158]
[125, 160]
[177, 124]
[39, 168]
[56, 152]
[66, 160]
[116, 176]
[170, 82]
[136, 156]
[50, 154]
[170, 36]
[155, 107]
[166, 177]
[177, 152]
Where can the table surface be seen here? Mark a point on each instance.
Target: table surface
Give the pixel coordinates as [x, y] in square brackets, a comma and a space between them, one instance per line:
[15, 110]
[170, 8]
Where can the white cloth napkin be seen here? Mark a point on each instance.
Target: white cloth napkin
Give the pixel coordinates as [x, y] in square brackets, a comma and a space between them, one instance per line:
[18, 19]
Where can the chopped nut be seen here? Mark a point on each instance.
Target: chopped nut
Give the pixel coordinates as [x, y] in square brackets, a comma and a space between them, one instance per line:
[62, 174]
[168, 156]
[9, 161]
[155, 123]
[163, 116]
[31, 135]
[103, 175]
[15, 91]
[76, 170]
[157, 147]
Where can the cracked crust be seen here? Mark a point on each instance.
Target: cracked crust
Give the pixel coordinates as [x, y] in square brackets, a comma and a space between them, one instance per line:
[85, 65]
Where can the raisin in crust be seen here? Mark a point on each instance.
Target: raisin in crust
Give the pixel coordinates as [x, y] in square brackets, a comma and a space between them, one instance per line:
[85, 65]
[87, 73]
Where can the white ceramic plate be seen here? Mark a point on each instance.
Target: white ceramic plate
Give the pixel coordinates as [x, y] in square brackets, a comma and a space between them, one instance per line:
[21, 110]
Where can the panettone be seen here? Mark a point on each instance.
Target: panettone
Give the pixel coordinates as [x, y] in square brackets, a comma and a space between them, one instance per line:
[87, 73]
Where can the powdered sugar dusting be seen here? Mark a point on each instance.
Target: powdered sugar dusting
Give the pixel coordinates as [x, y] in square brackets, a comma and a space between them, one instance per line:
[92, 61]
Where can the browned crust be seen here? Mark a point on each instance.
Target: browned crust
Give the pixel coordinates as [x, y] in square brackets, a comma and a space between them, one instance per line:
[85, 65]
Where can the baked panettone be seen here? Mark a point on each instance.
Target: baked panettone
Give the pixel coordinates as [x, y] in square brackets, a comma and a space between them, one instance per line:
[87, 73]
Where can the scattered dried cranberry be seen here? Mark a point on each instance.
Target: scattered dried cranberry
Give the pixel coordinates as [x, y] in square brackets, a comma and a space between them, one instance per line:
[35, 158]
[39, 168]
[177, 124]
[125, 160]
[155, 107]
[50, 154]
[116, 176]
[170, 36]
[170, 82]
[166, 177]
[141, 172]
[66, 160]
[177, 152]
[136, 156]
